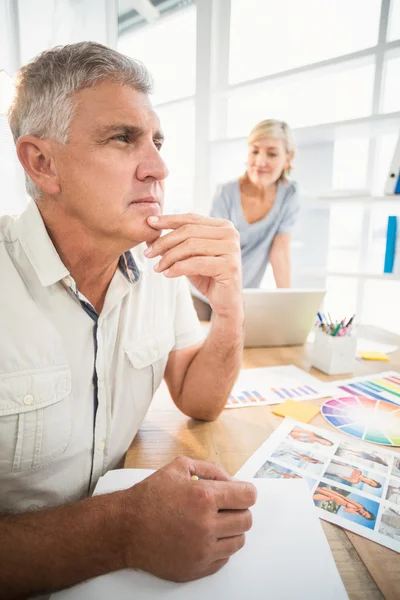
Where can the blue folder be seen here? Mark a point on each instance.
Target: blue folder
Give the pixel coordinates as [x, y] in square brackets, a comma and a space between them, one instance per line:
[390, 244]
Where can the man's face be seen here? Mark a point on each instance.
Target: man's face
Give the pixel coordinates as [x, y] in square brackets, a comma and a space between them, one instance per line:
[111, 173]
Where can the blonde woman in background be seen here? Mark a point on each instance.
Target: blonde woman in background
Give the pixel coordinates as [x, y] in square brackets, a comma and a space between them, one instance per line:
[263, 205]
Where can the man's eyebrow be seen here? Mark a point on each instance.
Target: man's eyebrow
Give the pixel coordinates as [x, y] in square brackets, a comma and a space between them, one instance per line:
[120, 127]
[131, 130]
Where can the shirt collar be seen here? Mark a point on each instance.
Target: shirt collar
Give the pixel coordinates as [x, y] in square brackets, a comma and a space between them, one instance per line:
[44, 257]
[128, 267]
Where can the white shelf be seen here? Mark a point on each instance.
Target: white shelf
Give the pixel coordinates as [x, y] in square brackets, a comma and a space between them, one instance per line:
[364, 201]
[354, 275]
[370, 126]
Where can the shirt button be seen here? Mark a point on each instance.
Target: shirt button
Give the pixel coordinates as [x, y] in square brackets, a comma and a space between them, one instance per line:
[102, 445]
[68, 281]
[28, 399]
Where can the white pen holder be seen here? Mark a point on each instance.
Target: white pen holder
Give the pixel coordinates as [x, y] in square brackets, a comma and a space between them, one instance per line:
[333, 354]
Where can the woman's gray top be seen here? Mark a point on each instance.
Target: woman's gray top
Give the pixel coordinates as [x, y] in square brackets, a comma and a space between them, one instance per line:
[256, 238]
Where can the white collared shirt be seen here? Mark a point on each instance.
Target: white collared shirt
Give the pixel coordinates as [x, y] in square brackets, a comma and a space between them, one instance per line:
[74, 386]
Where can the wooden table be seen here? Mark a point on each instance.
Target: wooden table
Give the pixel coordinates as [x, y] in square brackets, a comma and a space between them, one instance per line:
[369, 571]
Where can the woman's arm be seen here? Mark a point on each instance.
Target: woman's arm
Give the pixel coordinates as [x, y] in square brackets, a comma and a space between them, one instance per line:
[280, 259]
[280, 250]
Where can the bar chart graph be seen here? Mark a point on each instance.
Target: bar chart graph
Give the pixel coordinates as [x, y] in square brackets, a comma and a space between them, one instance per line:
[273, 385]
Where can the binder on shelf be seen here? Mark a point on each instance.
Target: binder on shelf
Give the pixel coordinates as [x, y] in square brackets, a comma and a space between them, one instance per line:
[390, 251]
[392, 185]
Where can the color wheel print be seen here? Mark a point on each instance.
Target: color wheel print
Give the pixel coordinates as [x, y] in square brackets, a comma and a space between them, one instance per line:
[371, 420]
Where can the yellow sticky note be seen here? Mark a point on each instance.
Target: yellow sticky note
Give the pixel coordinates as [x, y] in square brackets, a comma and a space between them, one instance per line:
[300, 411]
[373, 356]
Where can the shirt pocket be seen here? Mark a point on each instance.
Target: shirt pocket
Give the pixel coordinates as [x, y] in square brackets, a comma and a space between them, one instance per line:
[35, 417]
[149, 357]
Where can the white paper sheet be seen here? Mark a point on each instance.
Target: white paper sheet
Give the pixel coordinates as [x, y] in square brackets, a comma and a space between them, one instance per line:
[365, 345]
[273, 385]
[290, 453]
[286, 556]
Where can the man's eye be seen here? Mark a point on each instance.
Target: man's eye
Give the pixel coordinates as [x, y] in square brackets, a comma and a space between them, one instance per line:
[121, 138]
[158, 145]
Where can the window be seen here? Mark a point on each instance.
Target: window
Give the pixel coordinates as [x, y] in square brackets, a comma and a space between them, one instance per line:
[394, 21]
[168, 49]
[268, 37]
[320, 97]
[177, 124]
[391, 93]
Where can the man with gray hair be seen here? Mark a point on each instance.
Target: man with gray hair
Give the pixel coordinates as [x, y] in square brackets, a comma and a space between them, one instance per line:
[94, 313]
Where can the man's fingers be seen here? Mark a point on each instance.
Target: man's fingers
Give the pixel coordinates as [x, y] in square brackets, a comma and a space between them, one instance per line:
[208, 470]
[206, 266]
[188, 232]
[195, 247]
[228, 546]
[234, 495]
[174, 221]
[216, 566]
[233, 522]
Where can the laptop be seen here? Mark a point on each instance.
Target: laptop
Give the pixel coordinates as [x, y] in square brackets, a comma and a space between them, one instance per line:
[281, 317]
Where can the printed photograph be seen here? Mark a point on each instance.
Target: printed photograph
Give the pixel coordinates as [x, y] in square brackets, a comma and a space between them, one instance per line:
[358, 478]
[304, 459]
[371, 458]
[393, 491]
[271, 470]
[345, 504]
[310, 438]
[396, 467]
[390, 523]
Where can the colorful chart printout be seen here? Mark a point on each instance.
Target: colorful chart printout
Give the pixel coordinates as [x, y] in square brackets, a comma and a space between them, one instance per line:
[376, 421]
[384, 386]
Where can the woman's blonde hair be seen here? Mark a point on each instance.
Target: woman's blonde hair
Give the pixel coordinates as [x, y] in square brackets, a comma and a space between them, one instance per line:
[275, 129]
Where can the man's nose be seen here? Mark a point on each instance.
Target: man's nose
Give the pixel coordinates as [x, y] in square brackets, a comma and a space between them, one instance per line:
[152, 166]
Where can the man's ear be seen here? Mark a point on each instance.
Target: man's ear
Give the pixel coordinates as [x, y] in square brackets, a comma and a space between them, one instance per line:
[35, 156]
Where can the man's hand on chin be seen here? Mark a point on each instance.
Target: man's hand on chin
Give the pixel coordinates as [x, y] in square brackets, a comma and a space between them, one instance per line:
[205, 250]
